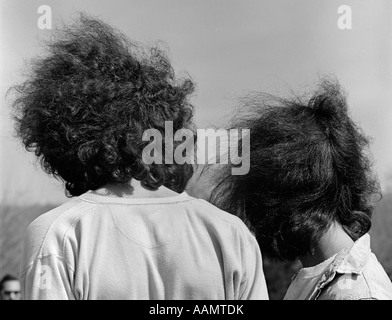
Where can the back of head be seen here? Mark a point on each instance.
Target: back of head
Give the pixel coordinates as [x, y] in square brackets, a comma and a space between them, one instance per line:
[85, 105]
[308, 169]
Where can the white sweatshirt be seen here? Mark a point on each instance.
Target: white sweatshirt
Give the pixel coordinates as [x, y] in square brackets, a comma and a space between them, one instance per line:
[108, 247]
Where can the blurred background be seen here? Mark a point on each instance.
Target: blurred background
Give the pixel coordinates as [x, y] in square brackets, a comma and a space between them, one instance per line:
[228, 47]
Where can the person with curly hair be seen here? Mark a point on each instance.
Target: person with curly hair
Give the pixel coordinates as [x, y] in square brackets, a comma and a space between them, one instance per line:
[308, 194]
[130, 230]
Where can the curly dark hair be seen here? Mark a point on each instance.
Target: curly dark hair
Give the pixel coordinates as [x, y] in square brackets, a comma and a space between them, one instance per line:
[308, 169]
[85, 105]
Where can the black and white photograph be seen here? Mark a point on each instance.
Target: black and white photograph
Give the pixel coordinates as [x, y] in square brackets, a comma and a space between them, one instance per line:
[196, 150]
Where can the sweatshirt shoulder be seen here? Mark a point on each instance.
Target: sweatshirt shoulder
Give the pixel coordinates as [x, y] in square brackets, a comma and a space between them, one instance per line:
[208, 211]
[61, 215]
[45, 233]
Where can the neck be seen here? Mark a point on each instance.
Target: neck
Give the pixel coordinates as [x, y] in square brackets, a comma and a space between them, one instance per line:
[134, 189]
[334, 240]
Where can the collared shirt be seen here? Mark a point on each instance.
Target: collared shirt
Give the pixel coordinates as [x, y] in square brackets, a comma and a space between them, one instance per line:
[353, 274]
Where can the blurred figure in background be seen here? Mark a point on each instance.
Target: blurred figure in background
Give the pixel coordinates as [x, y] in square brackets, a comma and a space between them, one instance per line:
[9, 288]
[308, 194]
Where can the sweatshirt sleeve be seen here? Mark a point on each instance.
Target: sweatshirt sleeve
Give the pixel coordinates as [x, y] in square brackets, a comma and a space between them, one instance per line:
[253, 285]
[47, 278]
[44, 273]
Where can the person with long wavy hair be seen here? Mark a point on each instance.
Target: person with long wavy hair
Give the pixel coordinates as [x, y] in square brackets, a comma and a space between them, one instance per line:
[129, 231]
[309, 192]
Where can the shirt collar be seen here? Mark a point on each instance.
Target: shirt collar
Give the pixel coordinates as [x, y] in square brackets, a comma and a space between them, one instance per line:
[353, 260]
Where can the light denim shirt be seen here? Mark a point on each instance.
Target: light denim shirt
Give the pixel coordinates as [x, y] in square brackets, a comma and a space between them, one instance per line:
[354, 274]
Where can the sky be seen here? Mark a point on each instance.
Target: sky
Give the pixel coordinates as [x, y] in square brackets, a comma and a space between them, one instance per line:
[229, 48]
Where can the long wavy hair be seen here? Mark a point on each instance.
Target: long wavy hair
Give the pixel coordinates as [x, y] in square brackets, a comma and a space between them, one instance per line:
[309, 167]
[85, 105]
